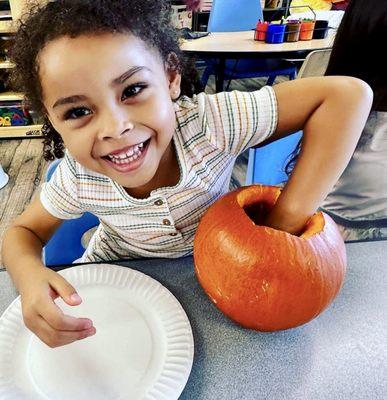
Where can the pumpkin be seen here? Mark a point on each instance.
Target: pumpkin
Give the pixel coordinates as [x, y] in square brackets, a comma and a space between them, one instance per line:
[262, 278]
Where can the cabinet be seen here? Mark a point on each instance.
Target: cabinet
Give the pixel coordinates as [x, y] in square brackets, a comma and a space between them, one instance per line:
[10, 11]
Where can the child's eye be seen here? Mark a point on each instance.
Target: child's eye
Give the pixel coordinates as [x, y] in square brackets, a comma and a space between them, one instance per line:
[76, 113]
[132, 91]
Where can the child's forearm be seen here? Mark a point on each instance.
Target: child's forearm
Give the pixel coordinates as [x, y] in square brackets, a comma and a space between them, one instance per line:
[22, 254]
[331, 133]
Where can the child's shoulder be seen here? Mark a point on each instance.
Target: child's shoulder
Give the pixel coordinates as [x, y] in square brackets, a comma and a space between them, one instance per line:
[202, 99]
[199, 104]
[209, 107]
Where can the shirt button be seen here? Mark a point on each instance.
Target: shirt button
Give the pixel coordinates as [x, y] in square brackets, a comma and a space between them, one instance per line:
[159, 202]
[173, 234]
[166, 222]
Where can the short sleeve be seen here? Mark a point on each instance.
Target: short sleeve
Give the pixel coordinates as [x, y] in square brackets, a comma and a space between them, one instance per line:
[237, 120]
[59, 195]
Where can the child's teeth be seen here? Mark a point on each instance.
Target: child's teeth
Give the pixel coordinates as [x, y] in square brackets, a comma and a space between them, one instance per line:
[124, 158]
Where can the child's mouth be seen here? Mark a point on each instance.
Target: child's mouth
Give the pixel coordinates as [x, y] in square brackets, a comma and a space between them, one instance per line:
[129, 160]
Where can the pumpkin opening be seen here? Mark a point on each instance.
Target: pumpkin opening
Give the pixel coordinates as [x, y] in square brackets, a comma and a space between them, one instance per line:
[257, 201]
[257, 212]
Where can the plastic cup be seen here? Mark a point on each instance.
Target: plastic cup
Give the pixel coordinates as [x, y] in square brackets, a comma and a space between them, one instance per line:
[320, 29]
[307, 28]
[292, 31]
[260, 31]
[275, 33]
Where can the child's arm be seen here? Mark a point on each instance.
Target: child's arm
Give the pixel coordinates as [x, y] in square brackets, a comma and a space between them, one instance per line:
[38, 285]
[332, 112]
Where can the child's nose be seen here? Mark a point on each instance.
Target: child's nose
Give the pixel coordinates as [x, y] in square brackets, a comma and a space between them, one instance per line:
[114, 123]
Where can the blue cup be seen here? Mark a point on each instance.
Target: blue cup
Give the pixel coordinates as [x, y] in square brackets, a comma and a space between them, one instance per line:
[275, 33]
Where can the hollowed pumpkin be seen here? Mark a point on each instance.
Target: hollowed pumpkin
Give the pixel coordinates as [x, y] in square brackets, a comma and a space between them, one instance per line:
[262, 278]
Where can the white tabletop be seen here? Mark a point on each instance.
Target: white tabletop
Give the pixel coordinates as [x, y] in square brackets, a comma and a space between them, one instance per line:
[243, 42]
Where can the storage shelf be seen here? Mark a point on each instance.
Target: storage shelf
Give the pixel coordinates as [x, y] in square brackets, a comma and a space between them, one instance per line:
[7, 27]
[13, 132]
[6, 64]
[11, 96]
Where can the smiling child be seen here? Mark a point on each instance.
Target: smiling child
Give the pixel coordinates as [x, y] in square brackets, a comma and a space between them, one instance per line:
[140, 154]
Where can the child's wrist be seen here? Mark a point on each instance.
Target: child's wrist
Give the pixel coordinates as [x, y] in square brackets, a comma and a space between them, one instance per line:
[27, 269]
[291, 221]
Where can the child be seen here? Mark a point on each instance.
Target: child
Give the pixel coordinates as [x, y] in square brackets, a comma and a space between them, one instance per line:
[108, 77]
[358, 202]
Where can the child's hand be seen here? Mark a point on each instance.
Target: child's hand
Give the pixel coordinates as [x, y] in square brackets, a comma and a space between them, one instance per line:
[43, 317]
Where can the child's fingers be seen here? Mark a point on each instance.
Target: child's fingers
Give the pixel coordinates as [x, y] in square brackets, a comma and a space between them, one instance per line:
[55, 317]
[56, 338]
[65, 290]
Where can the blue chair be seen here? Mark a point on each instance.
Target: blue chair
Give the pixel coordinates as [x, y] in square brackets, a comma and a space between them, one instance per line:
[236, 15]
[65, 245]
[266, 165]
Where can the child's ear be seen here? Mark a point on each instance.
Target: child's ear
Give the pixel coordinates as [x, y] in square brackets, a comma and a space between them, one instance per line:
[174, 75]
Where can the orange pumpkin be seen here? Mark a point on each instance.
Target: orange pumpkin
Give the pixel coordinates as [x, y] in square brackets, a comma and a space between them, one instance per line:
[262, 278]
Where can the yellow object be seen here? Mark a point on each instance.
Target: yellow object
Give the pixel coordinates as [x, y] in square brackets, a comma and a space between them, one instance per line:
[315, 4]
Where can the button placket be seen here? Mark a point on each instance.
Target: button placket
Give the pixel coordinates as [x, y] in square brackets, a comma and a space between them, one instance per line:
[166, 221]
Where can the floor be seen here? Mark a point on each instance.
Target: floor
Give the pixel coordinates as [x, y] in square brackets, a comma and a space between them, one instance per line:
[23, 162]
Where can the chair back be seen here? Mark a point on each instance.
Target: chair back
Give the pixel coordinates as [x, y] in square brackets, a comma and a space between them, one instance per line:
[234, 15]
[65, 246]
[315, 63]
[266, 165]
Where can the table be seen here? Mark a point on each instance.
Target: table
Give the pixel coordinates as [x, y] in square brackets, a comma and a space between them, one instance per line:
[341, 355]
[226, 45]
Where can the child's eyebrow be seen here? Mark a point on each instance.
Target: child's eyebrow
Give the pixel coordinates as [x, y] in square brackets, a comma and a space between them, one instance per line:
[117, 81]
[126, 75]
[69, 100]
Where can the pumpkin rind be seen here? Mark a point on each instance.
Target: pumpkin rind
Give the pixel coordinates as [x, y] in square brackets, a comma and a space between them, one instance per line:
[262, 278]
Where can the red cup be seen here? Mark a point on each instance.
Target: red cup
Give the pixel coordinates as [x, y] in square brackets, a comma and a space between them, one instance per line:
[260, 31]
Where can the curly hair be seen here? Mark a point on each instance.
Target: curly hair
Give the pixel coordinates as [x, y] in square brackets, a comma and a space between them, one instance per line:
[149, 20]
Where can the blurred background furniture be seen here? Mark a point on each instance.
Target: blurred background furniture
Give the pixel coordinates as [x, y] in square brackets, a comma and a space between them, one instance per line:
[241, 45]
[234, 16]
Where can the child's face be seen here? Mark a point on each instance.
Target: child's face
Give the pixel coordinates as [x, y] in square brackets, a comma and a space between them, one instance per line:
[110, 98]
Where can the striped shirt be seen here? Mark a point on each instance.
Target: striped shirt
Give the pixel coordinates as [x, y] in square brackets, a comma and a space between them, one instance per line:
[211, 131]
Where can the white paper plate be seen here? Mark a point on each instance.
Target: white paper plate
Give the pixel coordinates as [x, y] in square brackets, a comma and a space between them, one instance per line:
[143, 348]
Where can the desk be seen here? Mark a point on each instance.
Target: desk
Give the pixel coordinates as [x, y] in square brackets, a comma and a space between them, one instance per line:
[224, 45]
[341, 355]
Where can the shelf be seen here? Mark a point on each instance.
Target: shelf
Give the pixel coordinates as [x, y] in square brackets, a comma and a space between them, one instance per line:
[13, 132]
[7, 27]
[6, 64]
[11, 96]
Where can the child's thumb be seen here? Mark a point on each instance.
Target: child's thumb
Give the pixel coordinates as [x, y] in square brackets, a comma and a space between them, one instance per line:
[66, 291]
